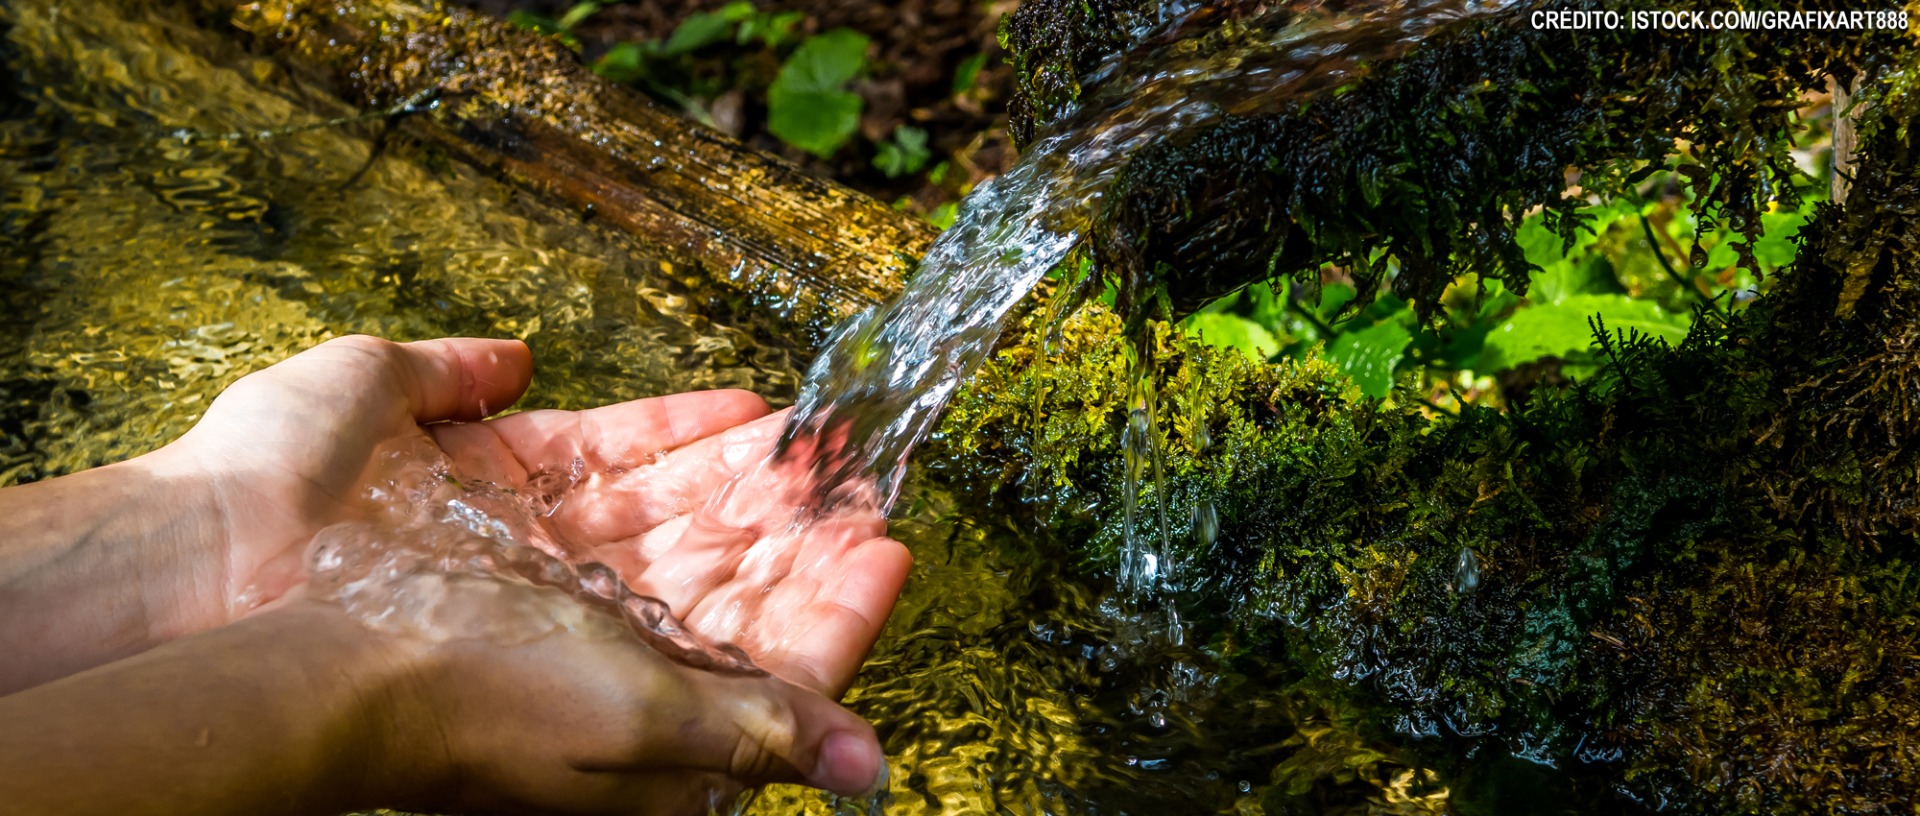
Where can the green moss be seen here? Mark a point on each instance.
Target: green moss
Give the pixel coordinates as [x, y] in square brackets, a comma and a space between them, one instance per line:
[1431, 160]
[1695, 579]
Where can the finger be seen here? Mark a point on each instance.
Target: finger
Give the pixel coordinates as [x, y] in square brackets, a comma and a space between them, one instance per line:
[628, 434]
[761, 730]
[823, 645]
[461, 378]
[609, 507]
[477, 453]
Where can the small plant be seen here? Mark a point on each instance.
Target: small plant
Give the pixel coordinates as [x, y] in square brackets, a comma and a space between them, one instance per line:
[808, 105]
[904, 154]
[1641, 265]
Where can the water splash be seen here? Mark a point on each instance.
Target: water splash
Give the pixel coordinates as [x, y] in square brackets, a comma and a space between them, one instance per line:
[880, 383]
[430, 557]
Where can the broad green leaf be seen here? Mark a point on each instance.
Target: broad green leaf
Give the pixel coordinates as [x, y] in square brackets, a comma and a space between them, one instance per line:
[805, 105]
[824, 62]
[1235, 332]
[701, 30]
[1776, 248]
[1575, 271]
[1334, 297]
[1560, 329]
[1369, 355]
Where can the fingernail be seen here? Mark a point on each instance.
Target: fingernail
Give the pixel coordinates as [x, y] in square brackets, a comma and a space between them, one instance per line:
[850, 765]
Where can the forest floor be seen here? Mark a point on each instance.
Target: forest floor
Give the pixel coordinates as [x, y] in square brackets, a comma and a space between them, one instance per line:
[932, 84]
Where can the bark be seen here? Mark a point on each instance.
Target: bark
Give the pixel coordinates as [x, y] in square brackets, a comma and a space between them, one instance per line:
[522, 105]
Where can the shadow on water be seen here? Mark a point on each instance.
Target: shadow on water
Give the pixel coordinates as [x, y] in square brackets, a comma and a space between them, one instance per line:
[143, 273]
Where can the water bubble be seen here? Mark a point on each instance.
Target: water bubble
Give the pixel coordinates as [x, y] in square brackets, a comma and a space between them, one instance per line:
[1206, 524]
[1466, 572]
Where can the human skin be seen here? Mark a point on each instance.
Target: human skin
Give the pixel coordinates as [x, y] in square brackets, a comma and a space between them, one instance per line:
[113, 562]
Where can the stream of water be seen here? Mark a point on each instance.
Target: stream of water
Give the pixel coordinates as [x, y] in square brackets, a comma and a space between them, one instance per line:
[879, 386]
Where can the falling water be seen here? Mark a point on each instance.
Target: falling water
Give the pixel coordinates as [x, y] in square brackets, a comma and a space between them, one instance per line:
[879, 385]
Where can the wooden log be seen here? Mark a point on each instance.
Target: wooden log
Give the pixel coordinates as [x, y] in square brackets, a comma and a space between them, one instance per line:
[521, 104]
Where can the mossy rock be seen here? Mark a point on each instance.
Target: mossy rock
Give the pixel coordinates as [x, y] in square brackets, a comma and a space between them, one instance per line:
[1688, 581]
[1433, 158]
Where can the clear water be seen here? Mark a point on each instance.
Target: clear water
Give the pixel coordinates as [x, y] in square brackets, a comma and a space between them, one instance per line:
[882, 380]
[140, 274]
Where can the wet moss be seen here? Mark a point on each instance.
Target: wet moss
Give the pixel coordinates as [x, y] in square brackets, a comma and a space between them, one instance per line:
[1689, 580]
[1430, 161]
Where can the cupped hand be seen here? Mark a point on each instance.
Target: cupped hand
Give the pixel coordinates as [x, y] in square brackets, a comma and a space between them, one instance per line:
[289, 447]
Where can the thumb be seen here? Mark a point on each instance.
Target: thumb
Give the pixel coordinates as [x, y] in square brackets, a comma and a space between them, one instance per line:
[761, 730]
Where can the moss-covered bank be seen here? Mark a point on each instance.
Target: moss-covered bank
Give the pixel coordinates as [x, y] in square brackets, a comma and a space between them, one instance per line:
[1432, 159]
[1690, 580]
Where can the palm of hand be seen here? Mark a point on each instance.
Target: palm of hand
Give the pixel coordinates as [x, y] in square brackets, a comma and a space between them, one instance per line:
[295, 441]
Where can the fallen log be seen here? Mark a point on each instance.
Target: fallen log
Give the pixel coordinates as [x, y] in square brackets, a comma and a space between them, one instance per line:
[523, 106]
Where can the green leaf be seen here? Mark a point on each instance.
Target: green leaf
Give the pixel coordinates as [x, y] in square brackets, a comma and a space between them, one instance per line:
[1776, 248]
[624, 62]
[1561, 330]
[943, 216]
[1576, 271]
[969, 73]
[1369, 355]
[906, 153]
[578, 14]
[701, 30]
[1334, 297]
[824, 62]
[543, 25]
[806, 106]
[1234, 332]
[773, 29]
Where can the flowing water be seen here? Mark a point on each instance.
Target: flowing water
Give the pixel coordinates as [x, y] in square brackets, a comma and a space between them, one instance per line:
[140, 273]
[880, 383]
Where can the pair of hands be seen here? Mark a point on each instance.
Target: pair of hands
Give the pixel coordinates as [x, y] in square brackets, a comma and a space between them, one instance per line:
[566, 722]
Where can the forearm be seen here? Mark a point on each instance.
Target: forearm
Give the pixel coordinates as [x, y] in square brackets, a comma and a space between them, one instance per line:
[287, 712]
[100, 565]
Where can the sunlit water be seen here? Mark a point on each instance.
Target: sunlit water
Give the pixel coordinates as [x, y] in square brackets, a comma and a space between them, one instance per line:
[141, 273]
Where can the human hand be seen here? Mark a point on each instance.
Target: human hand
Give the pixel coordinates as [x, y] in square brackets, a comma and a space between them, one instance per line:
[284, 453]
[302, 710]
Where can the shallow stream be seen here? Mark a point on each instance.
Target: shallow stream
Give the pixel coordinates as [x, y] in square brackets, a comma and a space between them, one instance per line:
[141, 272]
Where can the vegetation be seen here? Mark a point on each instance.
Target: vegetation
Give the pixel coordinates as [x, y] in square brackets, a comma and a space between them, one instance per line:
[829, 96]
[1687, 577]
[1448, 170]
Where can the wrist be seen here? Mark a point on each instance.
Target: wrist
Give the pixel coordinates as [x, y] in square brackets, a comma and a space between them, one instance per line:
[180, 538]
[385, 747]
